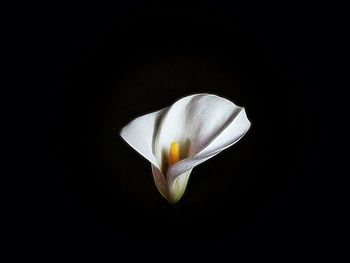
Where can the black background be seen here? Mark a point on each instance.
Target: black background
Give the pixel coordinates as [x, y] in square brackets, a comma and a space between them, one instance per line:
[114, 63]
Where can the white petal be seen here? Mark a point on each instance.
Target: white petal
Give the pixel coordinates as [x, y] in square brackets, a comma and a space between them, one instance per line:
[172, 190]
[197, 119]
[140, 133]
[160, 182]
[177, 186]
[226, 138]
[230, 135]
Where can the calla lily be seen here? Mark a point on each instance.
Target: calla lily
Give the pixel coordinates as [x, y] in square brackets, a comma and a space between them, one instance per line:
[180, 137]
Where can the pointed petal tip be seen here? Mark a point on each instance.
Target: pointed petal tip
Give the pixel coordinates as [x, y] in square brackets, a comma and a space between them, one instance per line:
[123, 135]
[121, 132]
[246, 117]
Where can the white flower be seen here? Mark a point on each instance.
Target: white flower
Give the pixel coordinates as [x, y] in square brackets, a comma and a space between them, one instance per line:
[178, 138]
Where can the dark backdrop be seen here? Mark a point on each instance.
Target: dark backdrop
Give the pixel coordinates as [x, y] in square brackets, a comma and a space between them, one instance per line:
[114, 63]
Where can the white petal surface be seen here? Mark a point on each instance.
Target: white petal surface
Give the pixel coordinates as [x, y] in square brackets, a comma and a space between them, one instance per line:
[177, 187]
[228, 136]
[140, 133]
[172, 190]
[160, 182]
[198, 119]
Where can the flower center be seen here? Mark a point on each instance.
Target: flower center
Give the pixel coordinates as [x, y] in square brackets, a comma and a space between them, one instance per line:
[174, 153]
